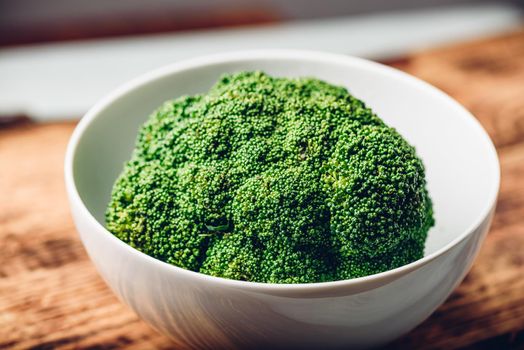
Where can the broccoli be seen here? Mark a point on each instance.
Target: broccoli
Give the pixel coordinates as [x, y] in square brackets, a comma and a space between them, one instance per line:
[272, 180]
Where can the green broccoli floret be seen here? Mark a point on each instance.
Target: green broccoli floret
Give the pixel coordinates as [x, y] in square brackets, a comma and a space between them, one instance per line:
[272, 180]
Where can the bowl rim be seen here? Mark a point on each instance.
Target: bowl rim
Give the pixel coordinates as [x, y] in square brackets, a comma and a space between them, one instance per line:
[283, 54]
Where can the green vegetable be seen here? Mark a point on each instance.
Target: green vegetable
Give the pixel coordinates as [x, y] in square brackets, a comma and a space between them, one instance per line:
[272, 180]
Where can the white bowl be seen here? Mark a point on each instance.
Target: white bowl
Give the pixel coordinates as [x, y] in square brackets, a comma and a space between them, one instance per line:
[210, 312]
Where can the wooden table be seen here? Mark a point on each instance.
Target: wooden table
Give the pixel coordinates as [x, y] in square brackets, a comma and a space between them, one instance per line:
[51, 296]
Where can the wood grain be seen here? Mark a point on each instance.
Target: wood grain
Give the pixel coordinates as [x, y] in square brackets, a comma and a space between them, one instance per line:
[487, 310]
[52, 298]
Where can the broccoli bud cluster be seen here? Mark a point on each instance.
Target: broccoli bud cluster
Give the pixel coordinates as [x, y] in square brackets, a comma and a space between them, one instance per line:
[273, 180]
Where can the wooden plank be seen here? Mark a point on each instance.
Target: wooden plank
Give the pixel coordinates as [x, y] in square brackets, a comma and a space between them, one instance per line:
[487, 310]
[51, 296]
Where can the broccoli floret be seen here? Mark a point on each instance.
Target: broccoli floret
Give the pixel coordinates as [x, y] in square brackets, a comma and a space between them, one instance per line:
[272, 180]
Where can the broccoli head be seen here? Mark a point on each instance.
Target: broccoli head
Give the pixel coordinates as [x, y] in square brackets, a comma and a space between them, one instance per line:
[272, 180]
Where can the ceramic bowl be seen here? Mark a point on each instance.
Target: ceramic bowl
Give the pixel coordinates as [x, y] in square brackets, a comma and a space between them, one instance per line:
[201, 311]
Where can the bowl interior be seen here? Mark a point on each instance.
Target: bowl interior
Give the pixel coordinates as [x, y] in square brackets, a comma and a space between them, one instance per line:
[462, 169]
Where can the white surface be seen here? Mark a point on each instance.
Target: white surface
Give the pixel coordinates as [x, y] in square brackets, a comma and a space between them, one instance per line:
[213, 312]
[63, 80]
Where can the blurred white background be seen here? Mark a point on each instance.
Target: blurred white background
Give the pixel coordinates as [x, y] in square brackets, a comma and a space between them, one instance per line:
[57, 57]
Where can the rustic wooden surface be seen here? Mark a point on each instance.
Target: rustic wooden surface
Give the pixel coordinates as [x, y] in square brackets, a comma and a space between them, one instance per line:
[51, 296]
